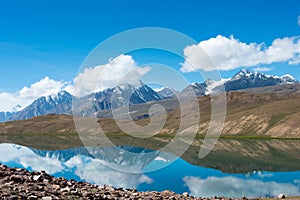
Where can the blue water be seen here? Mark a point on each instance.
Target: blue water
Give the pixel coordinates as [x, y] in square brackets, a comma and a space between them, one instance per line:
[175, 174]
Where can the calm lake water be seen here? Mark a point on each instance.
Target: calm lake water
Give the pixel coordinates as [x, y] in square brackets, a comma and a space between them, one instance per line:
[252, 169]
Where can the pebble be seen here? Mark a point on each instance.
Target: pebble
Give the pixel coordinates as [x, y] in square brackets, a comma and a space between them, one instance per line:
[56, 187]
[185, 194]
[36, 177]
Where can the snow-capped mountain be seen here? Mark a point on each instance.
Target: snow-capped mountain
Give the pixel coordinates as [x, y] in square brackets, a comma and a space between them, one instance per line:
[166, 92]
[111, 98]
[288, 79]
[200, 89]
[99, 162]
[244, 79]
[127, 94]
[60, 103]
[4, 116]
[212, 85]
[128, 158]
[90, 105]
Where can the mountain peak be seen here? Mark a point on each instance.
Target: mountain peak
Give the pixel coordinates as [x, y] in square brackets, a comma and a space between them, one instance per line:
[60, 103]
[209, 81]
[245, 72]
[138, 93]
[289, 79]
[159, 89]
[56, 96]
[243, 79]
[242, 73]
[166, 92]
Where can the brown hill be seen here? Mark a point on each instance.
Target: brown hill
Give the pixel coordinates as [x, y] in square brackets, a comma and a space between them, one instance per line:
[248, 114]
[284, 89]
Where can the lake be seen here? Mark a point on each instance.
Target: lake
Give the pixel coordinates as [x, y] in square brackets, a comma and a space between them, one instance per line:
[235, 168]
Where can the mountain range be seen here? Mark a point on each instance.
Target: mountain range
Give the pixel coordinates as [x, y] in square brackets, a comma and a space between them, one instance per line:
[127, 94]
[112, 98]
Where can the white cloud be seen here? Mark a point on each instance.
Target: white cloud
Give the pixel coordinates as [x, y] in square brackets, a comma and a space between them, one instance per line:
[9, 101]
[230, 53]
[120, 69]
[298, 20]
[44, 87]
[88, 169]
[94, 171]
[262, 69]
[28, 159]
[237, 187]
[27, 95]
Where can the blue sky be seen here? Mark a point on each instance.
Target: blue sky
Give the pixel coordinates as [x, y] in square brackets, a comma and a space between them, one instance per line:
[52, 38]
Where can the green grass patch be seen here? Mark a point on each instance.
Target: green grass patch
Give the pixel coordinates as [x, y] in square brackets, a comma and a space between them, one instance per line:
[275, 119]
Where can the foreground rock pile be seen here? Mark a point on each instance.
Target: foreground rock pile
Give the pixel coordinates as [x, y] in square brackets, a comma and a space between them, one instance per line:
[18, 183]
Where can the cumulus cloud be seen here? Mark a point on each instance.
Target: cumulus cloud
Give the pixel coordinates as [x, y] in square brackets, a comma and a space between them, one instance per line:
[86, 168]
[94, 171]
[44, 87]
[28, 94]
[230, 53]
[237, 187]
[28, 159]
[9, 101]
[120, 69]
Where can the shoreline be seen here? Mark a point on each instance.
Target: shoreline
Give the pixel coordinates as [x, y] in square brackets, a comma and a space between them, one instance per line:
[18, 183]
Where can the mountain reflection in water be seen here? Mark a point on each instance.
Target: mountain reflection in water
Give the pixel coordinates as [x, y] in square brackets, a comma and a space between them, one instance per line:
[227, 171]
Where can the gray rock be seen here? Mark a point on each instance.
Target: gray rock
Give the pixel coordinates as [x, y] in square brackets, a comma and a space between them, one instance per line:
[35, 187]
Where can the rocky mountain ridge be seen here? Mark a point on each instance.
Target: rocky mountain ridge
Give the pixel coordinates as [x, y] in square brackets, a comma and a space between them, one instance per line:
[127, 94]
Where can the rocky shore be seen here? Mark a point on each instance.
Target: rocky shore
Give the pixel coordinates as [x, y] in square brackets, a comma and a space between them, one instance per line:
[16, 183]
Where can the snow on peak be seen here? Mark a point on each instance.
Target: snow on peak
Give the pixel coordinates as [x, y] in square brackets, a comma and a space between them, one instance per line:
[289, 79]
[210, 81]
[12, 110]
[56, 96]
[242, 73]
[212, 84]
[194, 84]
[288, 76]
[159, 89]
[246, 73]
